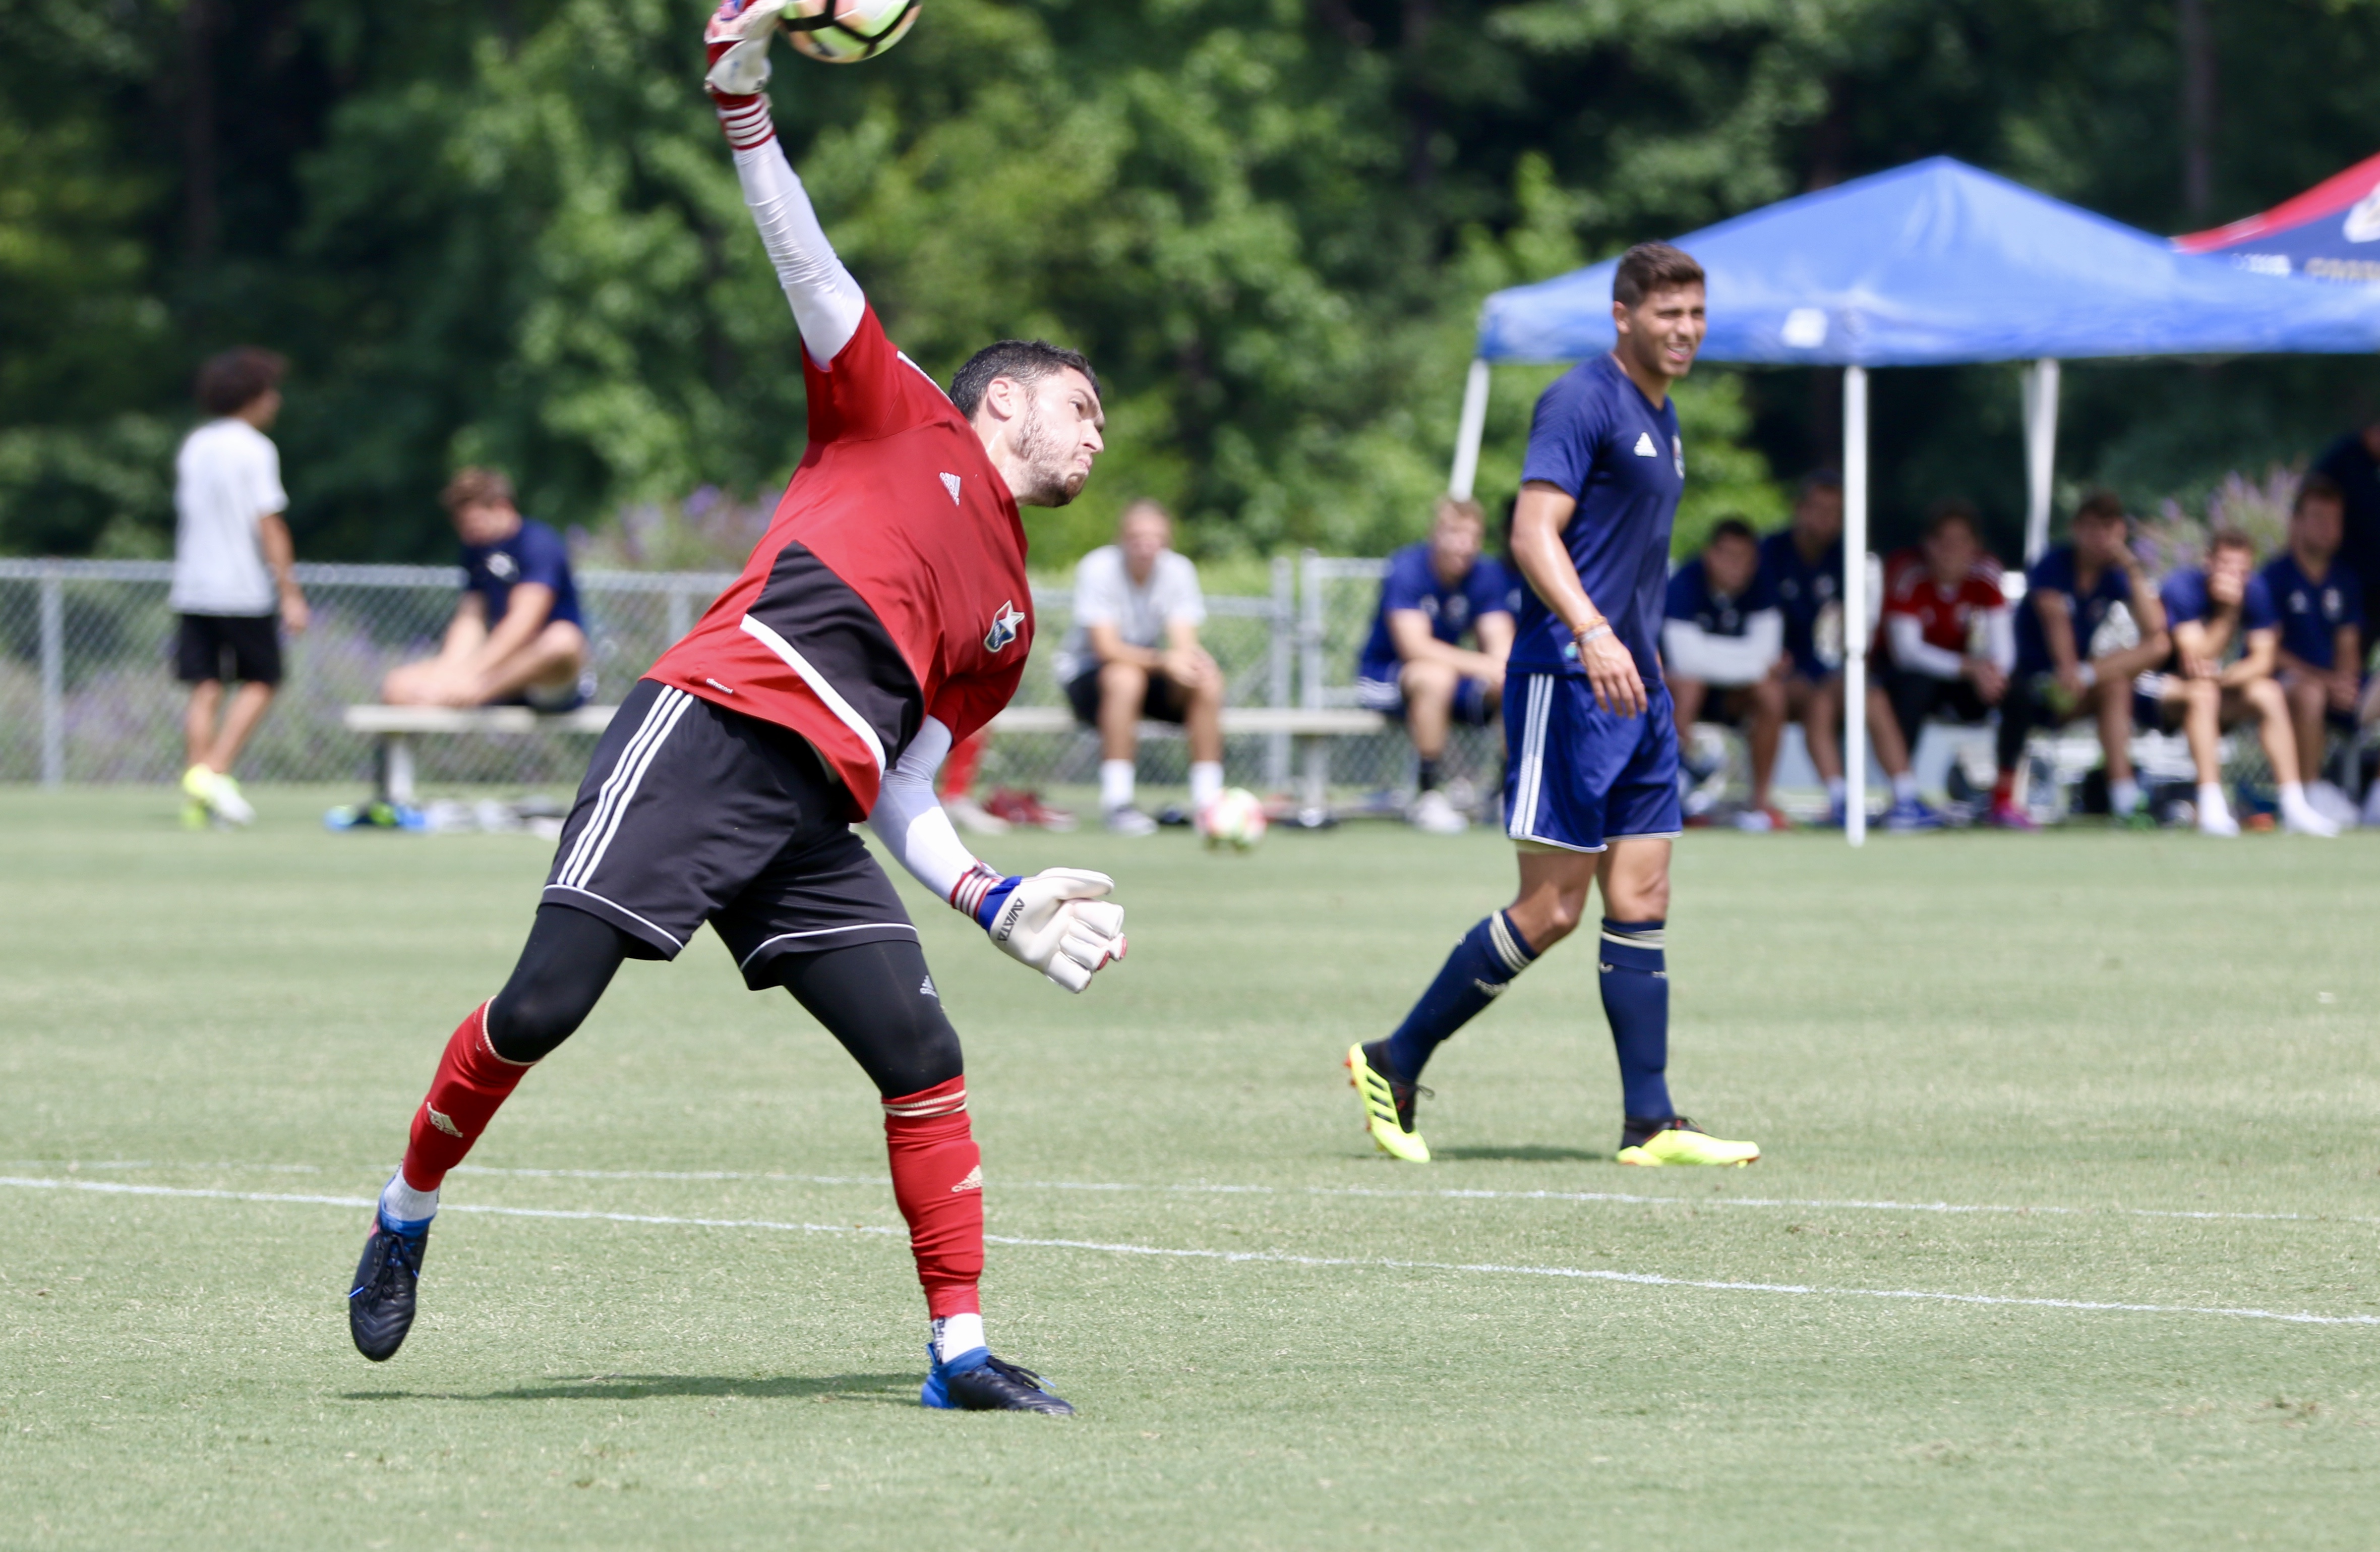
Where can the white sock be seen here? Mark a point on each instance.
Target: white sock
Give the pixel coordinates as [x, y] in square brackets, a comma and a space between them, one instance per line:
[2123, 796]
[955, 1334]
[2090, 675]
[401, 1204]
[2293, 794]
[1904, 788]
[2210, 799]
[1206, 782]
[1838, 789]
[1115, 783]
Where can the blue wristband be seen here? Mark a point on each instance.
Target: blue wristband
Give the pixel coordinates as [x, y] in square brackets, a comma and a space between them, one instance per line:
[993, 898]
[981, 893]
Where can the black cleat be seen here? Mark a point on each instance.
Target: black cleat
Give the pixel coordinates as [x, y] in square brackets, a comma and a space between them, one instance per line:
[994, 1385]
[380, 1308]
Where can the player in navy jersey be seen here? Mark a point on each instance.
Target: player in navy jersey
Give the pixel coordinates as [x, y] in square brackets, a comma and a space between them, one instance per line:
[1415, 665]
[2225, 644]
[518, 635]
[884, 614]
[1591, 738]
[2076, 656]
[2321, 604]
[1722, 653]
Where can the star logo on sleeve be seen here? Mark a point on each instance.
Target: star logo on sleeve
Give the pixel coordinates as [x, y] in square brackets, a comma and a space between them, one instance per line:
[1003, 627]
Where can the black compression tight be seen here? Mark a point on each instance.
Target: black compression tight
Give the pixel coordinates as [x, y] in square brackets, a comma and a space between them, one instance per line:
[874, 997]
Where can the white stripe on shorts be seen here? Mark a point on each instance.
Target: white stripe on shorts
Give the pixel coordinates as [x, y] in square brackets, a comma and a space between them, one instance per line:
[1531, 786]
[611, 799]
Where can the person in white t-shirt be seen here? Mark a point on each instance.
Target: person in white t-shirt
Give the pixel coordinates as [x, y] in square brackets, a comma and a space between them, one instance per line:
[1134, 653]
[235, 579]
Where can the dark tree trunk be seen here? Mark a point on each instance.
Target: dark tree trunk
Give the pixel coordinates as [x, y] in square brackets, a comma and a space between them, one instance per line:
[2196, 40]
[200, 220]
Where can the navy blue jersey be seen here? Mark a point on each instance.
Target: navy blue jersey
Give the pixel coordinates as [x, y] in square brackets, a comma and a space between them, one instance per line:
[534, 553]
[2184, 597]
[1805, 590]
[1453, 612]
[2054, 573]
[1598, 438]
[2312, 612]
[1692, 598]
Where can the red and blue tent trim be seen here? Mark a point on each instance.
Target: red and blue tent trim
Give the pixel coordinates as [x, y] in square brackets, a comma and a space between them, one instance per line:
[2330, 232]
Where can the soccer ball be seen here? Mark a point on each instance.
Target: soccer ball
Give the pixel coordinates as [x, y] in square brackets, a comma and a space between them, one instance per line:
[846, 31]
[1237, 819]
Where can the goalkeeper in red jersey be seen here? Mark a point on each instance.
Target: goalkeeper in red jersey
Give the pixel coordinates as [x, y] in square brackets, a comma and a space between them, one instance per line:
[885, 615]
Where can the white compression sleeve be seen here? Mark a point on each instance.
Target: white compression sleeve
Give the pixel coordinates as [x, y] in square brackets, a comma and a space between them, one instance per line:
[1912, 651]
[827, 300]
[909, 820]
[1729, 661]
[1999, 637]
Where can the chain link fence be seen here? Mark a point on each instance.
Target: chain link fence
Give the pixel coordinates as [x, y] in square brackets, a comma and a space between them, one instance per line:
[88, 692]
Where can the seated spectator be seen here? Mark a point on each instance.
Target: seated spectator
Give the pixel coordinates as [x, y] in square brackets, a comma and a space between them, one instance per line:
[517, 637]
[2321, 604]
[2090, 623]
[1723, 653]
[1416, 667]
[1950, 642]
[2225, 644]
[1134, 653]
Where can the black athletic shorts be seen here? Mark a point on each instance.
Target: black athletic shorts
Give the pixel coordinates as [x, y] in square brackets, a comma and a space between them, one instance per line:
[1917, 697]
[1162, 701]
[243, 647]
[692, 814]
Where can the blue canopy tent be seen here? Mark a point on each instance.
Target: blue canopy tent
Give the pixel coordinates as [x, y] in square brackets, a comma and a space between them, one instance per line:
[1934, 263]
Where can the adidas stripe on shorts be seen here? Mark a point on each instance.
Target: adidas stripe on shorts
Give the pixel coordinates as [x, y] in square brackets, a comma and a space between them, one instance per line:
[1576, 777]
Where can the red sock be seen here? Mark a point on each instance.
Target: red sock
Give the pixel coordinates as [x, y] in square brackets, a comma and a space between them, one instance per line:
[2004, 789]
[472, 1082]
[938, 1179]
[958, 771]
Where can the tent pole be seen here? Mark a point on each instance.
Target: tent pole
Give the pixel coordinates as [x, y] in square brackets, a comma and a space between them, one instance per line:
[1855, 605]
[1466, 437]
[2040, 453]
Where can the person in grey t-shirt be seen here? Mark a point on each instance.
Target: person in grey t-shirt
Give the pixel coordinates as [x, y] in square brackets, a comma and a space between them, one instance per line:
[235, 574]
[1134, 653]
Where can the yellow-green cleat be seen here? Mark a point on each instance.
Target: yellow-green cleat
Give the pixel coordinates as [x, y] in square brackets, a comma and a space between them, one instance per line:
[1387, 1107]
[1679, 1141]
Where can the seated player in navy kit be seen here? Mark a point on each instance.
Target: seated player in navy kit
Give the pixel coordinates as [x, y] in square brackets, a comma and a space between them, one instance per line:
[1722, 653]
[1591, 741]
[2226, 642]
[2073, 660]
[517, 634]
[885, 613]
[1415, 664]
[2321, 604]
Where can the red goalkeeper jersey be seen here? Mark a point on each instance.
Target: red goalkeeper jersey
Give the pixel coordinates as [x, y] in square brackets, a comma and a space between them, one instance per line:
[890, 586]
[1946, 617]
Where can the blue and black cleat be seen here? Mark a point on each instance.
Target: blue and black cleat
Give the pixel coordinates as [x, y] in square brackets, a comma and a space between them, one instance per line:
[379, 1307]
[975, 1381]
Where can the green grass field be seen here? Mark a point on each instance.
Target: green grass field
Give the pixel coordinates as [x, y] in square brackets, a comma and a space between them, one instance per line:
[2081, 1105]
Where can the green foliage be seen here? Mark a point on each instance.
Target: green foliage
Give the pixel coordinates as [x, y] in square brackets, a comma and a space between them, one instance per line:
[510, 233]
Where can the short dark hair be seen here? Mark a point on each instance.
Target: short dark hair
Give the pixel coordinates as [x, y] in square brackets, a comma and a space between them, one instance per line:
[2318, 488]
[229, 383]
[1649, 267]
[1817, 480]
[1731, 528]
[476, 488]
[2231, 539]
[2103, 505]
[1953, 510]
[1022, 360]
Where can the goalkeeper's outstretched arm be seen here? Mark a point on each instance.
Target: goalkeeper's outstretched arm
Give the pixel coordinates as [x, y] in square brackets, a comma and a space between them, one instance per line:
[827, 301]
[1059, 921]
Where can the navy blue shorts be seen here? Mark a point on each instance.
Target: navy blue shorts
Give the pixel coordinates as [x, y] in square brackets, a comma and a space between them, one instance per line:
[1472, 708]
[1578, 777]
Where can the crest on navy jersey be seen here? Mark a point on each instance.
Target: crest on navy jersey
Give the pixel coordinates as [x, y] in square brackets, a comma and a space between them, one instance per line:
[1003, 627]
[502, 566]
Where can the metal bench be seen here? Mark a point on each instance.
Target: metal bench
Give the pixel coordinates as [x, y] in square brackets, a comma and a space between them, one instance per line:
[396, 727]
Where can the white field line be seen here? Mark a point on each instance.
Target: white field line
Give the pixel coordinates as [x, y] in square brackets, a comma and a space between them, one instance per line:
[1278, 1258]
[1208, 1187]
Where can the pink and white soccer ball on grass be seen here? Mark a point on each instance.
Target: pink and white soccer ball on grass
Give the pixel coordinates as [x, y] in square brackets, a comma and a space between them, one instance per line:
[1237, 819]
[846, 31]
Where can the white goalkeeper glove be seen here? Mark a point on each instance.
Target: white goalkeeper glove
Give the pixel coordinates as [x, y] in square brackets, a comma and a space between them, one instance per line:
[737, 41]
[1059, 921]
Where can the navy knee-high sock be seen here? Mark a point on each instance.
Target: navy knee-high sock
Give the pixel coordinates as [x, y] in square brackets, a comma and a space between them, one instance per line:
[1635, 979]
[1482, 965]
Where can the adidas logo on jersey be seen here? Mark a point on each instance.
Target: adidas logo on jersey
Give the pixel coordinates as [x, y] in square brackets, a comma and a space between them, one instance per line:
[951, 484]
[1645, 448]
[1004, 626]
